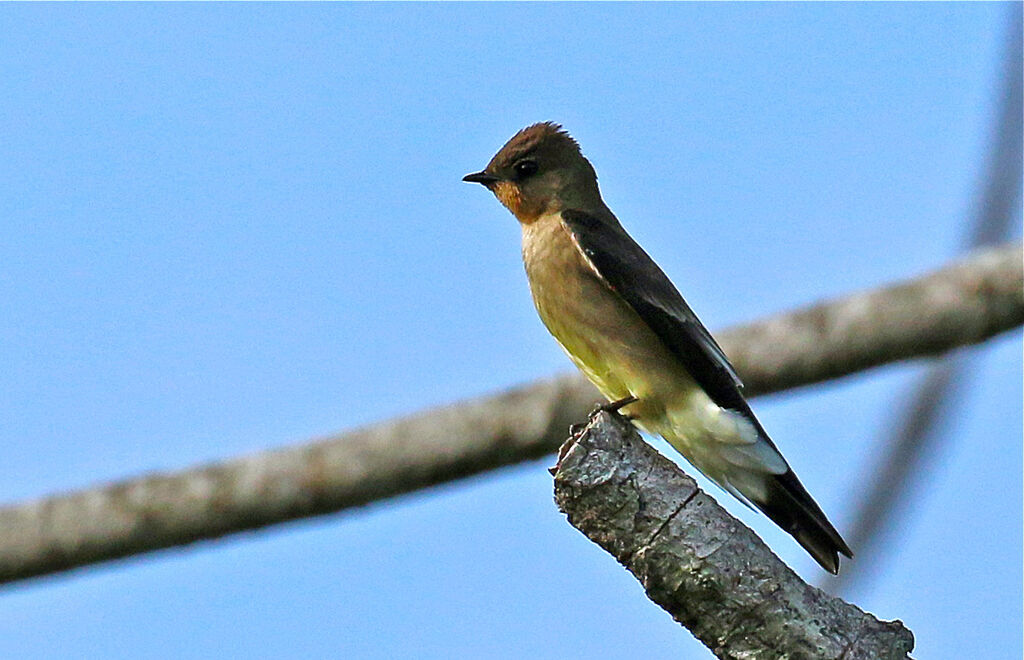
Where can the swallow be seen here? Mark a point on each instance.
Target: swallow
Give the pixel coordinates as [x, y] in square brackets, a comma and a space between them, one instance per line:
[627, 328]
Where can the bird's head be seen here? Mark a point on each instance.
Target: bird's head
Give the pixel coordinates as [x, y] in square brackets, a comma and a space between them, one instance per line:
[539, 171]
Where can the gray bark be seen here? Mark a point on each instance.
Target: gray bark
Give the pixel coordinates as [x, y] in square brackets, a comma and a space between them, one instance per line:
[961, 304]
[704, 567]
[965, 303]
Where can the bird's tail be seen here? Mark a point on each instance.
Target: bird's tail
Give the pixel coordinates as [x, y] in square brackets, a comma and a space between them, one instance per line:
[790, 507]
[732, 449]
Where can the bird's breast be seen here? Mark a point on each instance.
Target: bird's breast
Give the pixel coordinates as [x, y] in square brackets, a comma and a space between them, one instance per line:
[603, 335]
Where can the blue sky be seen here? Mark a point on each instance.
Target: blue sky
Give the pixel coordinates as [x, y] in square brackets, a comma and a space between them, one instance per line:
[229, 227]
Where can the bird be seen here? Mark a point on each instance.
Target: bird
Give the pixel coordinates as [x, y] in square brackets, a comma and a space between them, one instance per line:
[626, 327]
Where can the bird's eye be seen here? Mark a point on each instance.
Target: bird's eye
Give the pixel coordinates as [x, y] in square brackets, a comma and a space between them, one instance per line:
[525, 168]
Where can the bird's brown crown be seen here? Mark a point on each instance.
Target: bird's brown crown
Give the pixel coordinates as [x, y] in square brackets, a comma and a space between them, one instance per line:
[539, 170]
[546, 136]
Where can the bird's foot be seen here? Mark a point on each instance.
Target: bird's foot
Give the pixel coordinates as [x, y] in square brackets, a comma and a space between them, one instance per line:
[567, 445]
[576, 430]
[613, 406]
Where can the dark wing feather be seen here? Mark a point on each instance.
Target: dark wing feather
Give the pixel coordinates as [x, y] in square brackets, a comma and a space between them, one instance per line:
[633, 275]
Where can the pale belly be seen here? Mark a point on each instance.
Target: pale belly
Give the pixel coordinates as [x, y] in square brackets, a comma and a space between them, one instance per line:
[623, 357]
[602, 335]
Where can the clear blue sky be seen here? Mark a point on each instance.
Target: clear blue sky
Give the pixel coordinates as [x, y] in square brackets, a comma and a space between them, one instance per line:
[229, 227]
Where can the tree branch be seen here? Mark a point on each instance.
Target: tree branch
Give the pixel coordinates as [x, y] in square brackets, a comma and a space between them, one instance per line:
[918, 430]
[965, 303]
[704, 567]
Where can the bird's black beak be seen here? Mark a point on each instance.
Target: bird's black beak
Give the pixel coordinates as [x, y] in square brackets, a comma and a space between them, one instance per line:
[481, 177]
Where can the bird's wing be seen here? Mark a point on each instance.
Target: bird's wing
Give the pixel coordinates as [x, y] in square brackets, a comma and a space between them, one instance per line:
[632, 274]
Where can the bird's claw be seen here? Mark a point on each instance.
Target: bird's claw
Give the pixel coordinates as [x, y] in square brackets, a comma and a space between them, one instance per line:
[613, 406]
[564, 449]
[575, 433]
[576, 430]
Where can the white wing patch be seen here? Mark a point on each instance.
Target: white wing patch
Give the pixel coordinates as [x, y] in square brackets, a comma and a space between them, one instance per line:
[722, 444]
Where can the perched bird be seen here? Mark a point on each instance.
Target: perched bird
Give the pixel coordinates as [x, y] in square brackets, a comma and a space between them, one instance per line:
[626, 327]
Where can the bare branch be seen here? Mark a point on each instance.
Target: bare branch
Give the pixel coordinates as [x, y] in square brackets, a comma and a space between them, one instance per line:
[965, 303]
[704, 567]
[918, 431]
